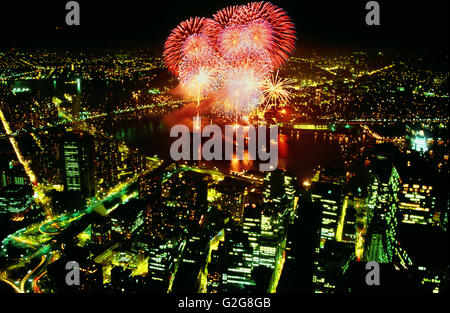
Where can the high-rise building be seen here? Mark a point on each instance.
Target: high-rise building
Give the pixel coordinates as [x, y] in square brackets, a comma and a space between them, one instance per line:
[163, 254]
[228, 195]
[376, 242]
[329, 196]
[77, 151]
[417, 202]
[105, 164]
[192, 260]
[403, 221]
[128, 218]
[239, 261]
[186, 193]
[302, 241]
[13, 175]
[16, 199]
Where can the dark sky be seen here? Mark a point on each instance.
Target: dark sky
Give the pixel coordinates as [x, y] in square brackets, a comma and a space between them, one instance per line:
[407, 25]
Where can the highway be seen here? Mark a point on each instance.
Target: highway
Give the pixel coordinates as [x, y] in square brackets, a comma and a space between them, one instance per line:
[44, 239]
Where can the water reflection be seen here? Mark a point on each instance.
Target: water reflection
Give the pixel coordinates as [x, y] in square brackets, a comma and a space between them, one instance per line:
[298, 151]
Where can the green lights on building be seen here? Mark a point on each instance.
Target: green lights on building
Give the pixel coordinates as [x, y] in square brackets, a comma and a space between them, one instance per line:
[154, 91]
[20, 90]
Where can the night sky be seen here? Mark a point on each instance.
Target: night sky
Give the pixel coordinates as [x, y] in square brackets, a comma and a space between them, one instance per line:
[405, 25]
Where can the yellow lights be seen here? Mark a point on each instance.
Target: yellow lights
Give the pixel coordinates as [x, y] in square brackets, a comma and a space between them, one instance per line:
[83, 238]
[56, 101]
[213, 195]
[38, 189]
[359, 247]
[340, 226]
[68, 97]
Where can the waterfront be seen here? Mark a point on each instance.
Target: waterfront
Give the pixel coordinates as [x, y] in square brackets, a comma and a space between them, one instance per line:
[299, 152]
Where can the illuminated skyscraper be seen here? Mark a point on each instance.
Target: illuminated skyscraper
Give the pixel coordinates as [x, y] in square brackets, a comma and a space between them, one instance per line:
[419, 142]
[329, 196]
[239, 261]
[328, 193]
[417, 202]
[403, 221]
[376, 242]
[15, 199]
[229, 195]
[161, 263]
[106, 163]
[77, 154]
[13, 175]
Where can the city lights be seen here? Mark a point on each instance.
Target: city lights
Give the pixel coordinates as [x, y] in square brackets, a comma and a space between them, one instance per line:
[259, 149]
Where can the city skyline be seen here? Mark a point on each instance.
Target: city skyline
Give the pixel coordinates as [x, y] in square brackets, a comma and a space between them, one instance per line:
[89, 183]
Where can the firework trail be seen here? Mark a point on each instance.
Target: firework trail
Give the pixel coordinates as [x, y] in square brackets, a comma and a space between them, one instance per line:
[276, 91]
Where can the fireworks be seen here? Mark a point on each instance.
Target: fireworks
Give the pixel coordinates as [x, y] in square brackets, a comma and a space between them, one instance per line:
[200, 79]
[232, 55]
[189, 54]
[196, 48]
[186, 41]
[241, 92]
[283, 30]
[276, 90]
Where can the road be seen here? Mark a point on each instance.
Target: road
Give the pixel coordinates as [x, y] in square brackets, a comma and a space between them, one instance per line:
[43, 239]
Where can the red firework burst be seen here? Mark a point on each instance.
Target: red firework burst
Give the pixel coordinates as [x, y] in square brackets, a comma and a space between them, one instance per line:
[284, 36]
[197, 48]
[210, 55]
[225, 16]
[175, 43]
[275, 19]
